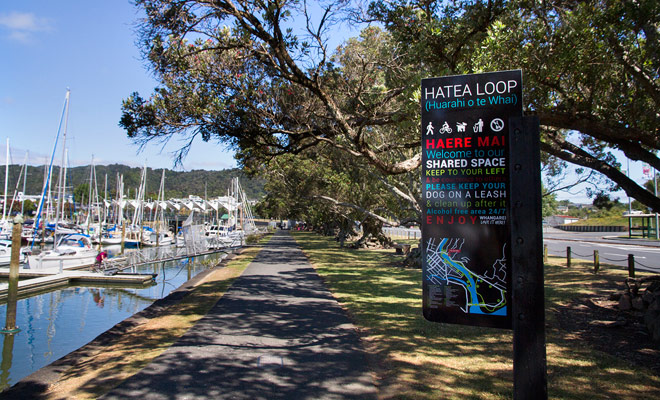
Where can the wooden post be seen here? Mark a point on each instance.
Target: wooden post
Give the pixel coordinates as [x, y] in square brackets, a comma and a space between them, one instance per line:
[596, 261]
[176, 228]
[528, 312]
[631, 265]
[123, 237]
[568, 257]
[545, 253]
[12, 292]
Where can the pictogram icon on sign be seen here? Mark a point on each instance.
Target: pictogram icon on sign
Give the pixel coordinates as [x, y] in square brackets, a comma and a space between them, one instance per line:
[496, 125]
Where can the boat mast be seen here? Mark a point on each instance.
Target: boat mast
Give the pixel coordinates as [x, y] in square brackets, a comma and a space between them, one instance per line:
[66, 164]
[60, 189]
[105, 199]
[27, 156]
[14, 196]
[89, 198]
[4, 203]
[50, 169]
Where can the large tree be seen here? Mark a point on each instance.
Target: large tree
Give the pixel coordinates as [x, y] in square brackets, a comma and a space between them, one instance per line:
[331, 189]
[238, 73]
[591, 68]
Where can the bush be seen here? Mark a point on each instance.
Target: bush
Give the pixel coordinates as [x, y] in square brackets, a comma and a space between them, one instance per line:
[252, 239]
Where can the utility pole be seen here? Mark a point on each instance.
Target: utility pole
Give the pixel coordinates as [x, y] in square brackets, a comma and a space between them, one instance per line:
[655, 191]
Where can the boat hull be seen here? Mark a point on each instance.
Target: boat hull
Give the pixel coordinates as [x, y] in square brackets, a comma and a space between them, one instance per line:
[67, 261]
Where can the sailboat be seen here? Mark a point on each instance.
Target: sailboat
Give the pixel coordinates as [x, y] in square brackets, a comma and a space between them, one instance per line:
[161, 236]
[70, 251]
[45, 195]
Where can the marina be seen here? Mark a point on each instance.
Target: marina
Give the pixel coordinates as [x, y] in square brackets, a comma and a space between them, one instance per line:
[82, 260]
[58, 306]
[55, 321]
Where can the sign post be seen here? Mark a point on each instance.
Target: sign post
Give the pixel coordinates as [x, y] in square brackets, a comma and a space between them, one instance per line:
[481, 223]
[529, 357]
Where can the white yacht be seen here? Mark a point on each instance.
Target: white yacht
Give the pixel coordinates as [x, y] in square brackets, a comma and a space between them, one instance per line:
[70, 251]
[5, 253]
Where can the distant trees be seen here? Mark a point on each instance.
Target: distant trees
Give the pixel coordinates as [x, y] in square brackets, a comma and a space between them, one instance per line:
[603, 201]
[28, 207]
[177, 183]
[550, 203]
[81, 194]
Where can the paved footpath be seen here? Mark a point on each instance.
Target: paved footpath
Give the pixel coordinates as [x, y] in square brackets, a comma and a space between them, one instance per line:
[276, 334]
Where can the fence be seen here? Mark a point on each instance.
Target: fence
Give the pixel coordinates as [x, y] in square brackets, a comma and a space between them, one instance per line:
[402, 233]
[167, 253]
[631, 262]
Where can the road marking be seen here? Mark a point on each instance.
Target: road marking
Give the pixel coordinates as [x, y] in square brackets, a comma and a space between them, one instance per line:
[621, 255]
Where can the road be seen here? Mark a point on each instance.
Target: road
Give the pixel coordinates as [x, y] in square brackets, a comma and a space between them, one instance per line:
[611, 250]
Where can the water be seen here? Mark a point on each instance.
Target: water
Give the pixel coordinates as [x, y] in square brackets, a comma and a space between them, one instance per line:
[58, 322]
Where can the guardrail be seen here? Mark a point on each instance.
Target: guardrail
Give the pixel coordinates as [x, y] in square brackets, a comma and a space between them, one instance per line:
[632, 263]
[592, 228]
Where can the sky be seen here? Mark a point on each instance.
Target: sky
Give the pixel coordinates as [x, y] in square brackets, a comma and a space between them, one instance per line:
[88, 46]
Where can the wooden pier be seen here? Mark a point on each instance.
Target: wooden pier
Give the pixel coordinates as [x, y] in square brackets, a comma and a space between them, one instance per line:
[38, 280]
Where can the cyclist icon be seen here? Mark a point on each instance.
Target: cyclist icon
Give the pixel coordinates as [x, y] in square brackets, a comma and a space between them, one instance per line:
[445, 128]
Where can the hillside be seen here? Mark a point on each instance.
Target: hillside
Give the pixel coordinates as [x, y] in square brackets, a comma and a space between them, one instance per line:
[177, 184]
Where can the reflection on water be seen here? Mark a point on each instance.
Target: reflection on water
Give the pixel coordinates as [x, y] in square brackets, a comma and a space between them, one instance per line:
[55, 323]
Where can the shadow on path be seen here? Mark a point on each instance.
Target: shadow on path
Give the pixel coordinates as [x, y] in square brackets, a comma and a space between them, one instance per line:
[276, 334]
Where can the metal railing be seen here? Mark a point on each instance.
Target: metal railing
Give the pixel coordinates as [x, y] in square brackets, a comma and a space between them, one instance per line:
[151, 255]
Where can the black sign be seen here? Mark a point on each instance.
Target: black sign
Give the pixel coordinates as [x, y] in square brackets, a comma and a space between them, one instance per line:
[465, 185]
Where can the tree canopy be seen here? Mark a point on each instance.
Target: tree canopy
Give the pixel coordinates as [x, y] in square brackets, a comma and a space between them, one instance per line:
[249, 75]
[591, 69]
[256, 86]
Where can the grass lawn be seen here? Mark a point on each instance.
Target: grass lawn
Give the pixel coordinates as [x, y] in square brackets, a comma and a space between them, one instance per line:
[417, 359]
[612, 220]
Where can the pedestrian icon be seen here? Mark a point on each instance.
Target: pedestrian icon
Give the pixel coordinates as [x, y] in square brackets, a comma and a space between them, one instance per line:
[429, 129]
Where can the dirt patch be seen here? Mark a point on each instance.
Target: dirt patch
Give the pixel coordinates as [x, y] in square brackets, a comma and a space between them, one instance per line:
[598, 322]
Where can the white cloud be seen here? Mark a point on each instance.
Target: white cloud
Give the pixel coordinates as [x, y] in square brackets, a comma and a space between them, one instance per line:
[21, 27]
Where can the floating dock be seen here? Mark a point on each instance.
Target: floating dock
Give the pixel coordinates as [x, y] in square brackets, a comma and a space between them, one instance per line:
[37, 280]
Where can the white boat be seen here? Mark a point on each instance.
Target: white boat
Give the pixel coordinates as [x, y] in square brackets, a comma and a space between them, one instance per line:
[70, 251]
[162, 239]
[5, 253]
[110, 240]
[216, 230]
